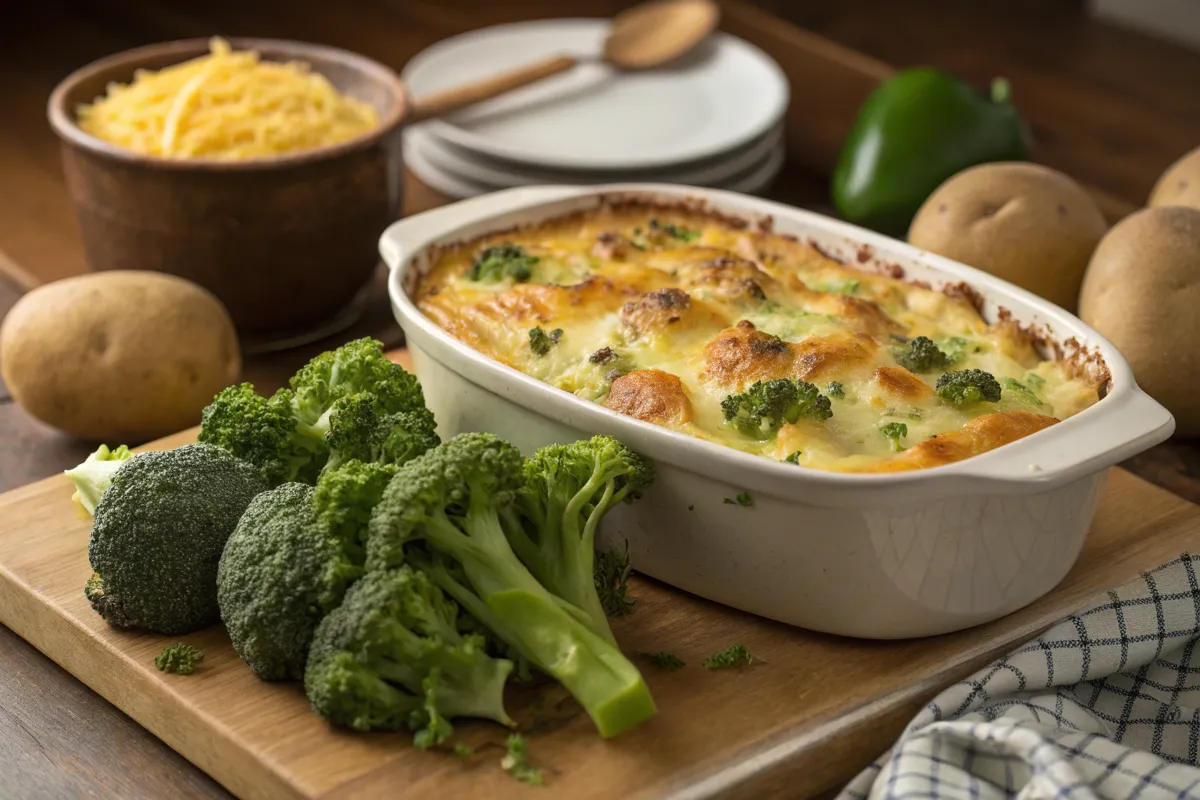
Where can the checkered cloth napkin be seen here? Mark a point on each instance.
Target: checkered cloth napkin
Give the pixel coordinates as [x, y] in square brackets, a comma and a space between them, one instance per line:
[1106, 704]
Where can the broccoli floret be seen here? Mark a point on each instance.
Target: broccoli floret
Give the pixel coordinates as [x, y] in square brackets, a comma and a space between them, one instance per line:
[280, 574]
[541, 343]
[158, 535]
[968, 386]
[180, 659]
[735, 656]
[1023, 393]
[761, 410]
[344, 499]
[894, 431]
[392, 657]
[442, 512]
[567, 490]
[264, 433]
[836, 390]
[361, 427]
[612, 582]
[494, 264]
[95, 474]
[516, 761]
[922, 355]
[358, 366]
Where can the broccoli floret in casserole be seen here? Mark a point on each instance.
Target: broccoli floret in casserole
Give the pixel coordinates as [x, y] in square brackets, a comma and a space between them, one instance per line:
[760, 411]
[922, 355]
[502, 262]
[968, 386]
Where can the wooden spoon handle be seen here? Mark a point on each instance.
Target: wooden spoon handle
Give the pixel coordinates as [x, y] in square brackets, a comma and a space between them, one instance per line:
[435, 105]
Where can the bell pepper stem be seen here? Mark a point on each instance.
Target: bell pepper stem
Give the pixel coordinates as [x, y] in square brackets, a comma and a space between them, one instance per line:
[1000, 90]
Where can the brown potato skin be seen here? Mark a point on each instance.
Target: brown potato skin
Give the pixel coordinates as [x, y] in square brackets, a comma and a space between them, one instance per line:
[1025, 223]
[120, 357]
[1142, 292]
[1180, 184]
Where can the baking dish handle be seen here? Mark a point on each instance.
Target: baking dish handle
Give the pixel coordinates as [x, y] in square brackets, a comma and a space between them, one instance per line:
[1115, 429]
[406, 234]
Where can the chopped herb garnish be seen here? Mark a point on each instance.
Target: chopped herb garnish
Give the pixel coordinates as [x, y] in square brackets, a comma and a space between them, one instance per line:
[541, 342]
[665, 660]
[516, 761]
[742, 499]
[736, 656]
[794, 458]
[602, 356]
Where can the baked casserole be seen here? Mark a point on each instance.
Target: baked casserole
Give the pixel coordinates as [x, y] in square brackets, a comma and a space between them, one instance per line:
[735, 334]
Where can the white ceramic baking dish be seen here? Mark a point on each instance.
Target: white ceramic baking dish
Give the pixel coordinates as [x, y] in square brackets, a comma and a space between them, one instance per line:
[877, 556]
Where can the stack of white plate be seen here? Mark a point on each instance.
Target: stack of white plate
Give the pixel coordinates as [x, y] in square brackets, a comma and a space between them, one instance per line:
[714, 118]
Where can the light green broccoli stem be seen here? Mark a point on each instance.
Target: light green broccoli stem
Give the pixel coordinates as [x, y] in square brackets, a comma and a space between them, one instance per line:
[95, 474]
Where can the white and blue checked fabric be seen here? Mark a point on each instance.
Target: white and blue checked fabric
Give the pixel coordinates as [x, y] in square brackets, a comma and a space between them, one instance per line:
[1106, 704]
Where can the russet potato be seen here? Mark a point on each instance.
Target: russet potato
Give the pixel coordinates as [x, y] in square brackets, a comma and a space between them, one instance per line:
[1025, 223]
[1142, 291]
[1180, 184]
[120, 357]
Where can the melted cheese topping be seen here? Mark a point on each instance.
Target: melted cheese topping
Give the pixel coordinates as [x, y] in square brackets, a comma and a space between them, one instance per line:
[663, 320]
[226, 105]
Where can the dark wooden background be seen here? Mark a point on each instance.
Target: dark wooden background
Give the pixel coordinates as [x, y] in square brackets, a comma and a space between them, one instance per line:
[1111, 107]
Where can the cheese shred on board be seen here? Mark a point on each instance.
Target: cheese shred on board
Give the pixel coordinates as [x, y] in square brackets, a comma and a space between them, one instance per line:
[226, 105]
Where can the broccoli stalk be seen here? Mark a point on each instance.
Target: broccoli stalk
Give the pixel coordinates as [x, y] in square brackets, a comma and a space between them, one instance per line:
[968, 386]
[95, 474]
[765, 407]
[451, 500]
[567, 491]
[391, 656]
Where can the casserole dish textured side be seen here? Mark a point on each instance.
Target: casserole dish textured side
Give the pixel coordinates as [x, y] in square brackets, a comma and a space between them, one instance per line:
[878, 556]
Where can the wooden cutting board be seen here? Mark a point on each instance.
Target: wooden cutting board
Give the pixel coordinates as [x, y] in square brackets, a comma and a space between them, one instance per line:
[807, 720]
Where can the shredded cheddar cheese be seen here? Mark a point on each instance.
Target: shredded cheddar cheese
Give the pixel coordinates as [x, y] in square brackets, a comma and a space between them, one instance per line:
[226, 105]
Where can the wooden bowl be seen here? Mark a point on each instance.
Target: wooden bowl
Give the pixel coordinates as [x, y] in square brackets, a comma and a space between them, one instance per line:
[286, 242]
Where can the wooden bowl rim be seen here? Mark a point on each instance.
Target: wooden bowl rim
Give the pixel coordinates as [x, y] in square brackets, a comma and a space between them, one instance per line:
[64, 123]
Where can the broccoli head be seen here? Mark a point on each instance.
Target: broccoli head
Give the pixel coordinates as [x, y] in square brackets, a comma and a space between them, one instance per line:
[392, 657]
[764, 408]
[968, 386]
[264, 433]
[95, 474]
[180, 658]
[922, 355]
[567, 490]
[361, 427]
[503, 261]
[280, 574]
[158, 535]
[358, 366]
[442, 512]
[344, 499]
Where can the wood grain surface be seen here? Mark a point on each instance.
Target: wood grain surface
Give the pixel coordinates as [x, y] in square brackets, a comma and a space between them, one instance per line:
[806, 720]
[1109, 106]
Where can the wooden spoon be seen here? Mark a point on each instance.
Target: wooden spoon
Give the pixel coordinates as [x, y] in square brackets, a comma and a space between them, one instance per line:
[642, 37]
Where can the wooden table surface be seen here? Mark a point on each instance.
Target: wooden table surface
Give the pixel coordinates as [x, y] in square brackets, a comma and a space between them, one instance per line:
[1109, 106]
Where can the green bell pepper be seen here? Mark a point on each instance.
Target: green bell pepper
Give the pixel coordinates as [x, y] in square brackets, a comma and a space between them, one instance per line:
[918, 128]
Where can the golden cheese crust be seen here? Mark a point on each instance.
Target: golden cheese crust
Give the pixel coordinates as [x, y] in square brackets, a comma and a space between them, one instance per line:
[662, 312]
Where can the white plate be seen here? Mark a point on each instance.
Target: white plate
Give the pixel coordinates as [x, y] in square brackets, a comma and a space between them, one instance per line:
[505, 175]
[722, 95]
[459, 187]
